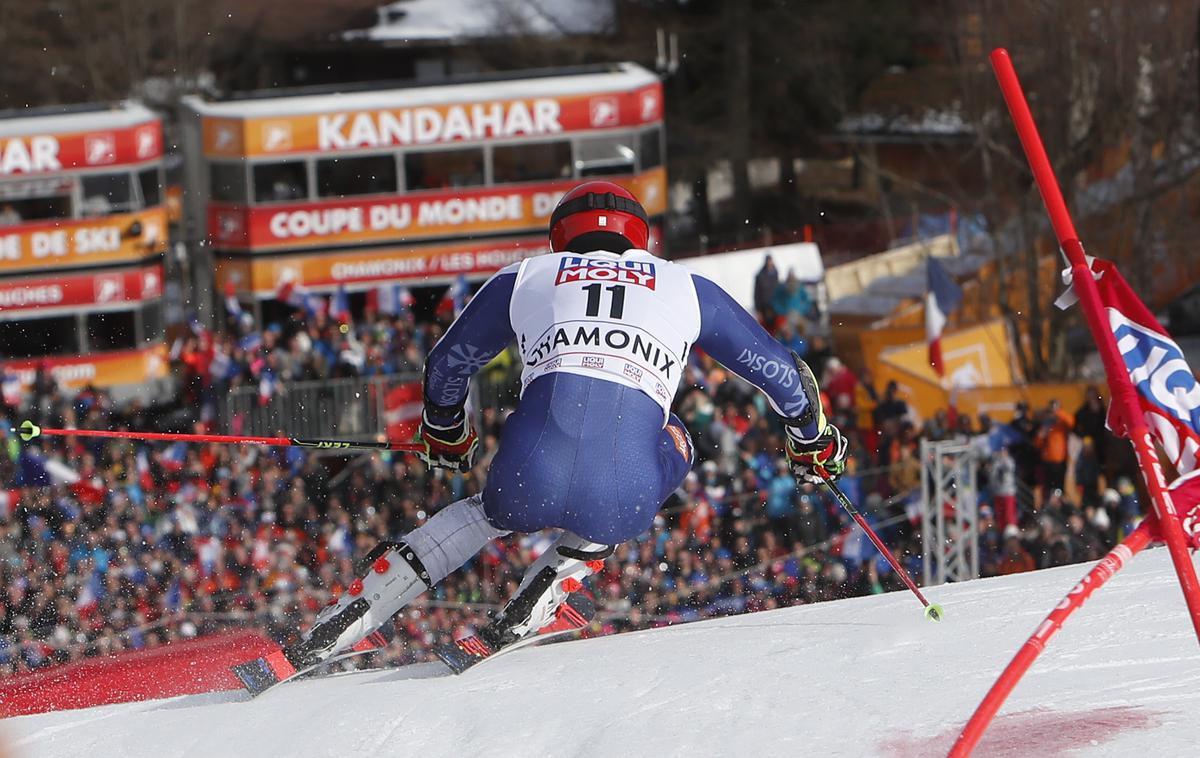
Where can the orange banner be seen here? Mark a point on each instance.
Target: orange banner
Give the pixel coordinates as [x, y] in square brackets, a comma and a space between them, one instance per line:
[430, 264]
[977, 356]
[118, 238]
[99, 369]
[381, 128]
[422, 215]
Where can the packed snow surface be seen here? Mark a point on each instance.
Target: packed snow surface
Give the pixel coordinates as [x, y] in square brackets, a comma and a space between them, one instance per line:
[860, 677]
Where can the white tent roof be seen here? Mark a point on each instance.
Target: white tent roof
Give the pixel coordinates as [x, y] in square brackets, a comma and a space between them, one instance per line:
[621, 78]
[454, 20]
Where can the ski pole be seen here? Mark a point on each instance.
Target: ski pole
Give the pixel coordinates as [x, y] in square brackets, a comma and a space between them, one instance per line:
[933, 611]
[29, 431]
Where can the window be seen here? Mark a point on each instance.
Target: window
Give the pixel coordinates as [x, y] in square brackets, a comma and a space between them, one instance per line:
[439, 169]
[528, 163]
[34, 200]
[34, 209]
[227, 182]
[114, 330]
[150, 182]
[651, 148]
[366, 175]
[30, 338]
[279, 182]
[603, 156]
[106, 193]
[152, 323]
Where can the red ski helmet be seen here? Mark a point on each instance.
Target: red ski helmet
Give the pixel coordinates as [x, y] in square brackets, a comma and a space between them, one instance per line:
[599, 215]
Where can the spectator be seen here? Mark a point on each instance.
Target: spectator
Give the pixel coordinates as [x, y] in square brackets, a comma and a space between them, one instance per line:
[1051, 441]
[9, 215]
[1014, 559]
[1090, 420]
[1003, 479]
[766, 281]
[891, 405]
[791, 299]
[175, 540]
[1088, 475]
[792, 339]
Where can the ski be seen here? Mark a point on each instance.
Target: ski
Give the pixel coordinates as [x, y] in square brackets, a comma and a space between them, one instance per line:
[261, 674]
[573, 615]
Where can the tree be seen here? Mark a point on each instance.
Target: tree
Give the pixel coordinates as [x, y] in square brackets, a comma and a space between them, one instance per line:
[1112, 88]
[72, 51]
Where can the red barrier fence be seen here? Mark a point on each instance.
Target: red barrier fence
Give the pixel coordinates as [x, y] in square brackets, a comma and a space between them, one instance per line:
[180, 668]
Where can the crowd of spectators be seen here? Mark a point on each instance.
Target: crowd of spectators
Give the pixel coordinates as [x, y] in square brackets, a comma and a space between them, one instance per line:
[108, 545]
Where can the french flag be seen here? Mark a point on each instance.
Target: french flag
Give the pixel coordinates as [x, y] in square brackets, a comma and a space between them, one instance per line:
[393, 299]
[340, 309]
[12, 388]
[232, 306]
[290, 292]
[942, 298]
[251, 342]
[458, 294]
[145, 475]
[297, 295]
[266, 387]
[173, 458]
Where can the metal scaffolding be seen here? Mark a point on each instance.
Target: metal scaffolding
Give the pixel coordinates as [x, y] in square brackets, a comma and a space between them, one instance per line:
[949, 512]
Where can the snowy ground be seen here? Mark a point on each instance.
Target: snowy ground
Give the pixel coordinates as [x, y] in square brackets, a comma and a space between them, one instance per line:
[861, 677]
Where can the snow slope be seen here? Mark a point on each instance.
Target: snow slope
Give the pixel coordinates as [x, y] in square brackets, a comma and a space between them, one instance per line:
[860, 677]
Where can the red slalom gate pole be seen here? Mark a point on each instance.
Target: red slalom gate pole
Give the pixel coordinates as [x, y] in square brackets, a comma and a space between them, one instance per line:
[1164, 522]
[29, 431]
[1125, 398]
[1108, 566]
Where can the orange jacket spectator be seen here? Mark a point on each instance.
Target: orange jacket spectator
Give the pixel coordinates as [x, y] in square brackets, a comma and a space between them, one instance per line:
[1015, 559]
[1052, 438]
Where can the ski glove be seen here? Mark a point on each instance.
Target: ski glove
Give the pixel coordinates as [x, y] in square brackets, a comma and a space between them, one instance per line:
[813, 460]
[454, 446]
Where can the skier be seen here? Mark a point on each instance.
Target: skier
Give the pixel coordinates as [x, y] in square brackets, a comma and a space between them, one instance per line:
[604, 330]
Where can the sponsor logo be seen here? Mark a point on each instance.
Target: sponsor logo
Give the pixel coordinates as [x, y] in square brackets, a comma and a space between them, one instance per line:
[146, 142]
[276, 136]
[579, 269]
[614, 338]
[661, 391]
[453, 387]
[604, 111]
[109, 289]
[151, 284]
[769, 368]
[592, 361]
[553, 365]
[321, 444]
[682, 443]
[99, 149]
[225, 137]
[782, 375]
[633, 372]
[468, 357]
[229, 225]
[649, 105]
[1158, 369]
